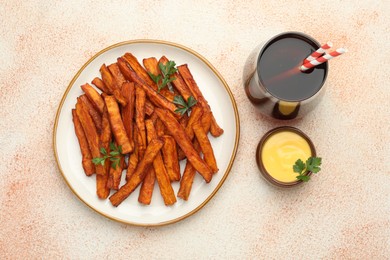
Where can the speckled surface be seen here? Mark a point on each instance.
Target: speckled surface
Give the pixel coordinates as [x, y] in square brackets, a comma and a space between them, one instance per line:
[343, 213]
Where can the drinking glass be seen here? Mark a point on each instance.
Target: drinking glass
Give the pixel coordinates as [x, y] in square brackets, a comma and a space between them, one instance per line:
[273, 81]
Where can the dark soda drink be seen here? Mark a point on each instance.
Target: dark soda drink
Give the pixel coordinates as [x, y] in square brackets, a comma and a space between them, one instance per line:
[284, 92]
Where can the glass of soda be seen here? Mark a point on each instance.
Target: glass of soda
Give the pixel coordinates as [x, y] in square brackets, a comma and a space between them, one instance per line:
[273, 81]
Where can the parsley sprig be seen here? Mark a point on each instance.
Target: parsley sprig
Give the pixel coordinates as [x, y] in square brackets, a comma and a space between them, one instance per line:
[114, 156]
[184, 107]
[167, 71]
[312, 165]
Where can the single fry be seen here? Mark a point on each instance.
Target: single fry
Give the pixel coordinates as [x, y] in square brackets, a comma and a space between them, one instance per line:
[171, 161]
[151, 151]
[117, 125]
[115, 175]
[88, 166]
[133, 158]
[108, 79]
[102, 187]
[147, 187]
[151, 65]
[100, 85]
[181, 86]
[215, 129]
[183, 122]
[196, 115]
[102, 190]
[163, 179]
[117, 75]
[93, 96]
[205, 145]
[95, 115]
[90, 133]
[112, 85]
[186, 181]
[178, 132]
[133, 162]
[128, 91]
[140, 98]
[155, 97]
[188, 177]
[189, 80]
[178, 83]
[206, 121]
[105, 136]
[105, 139]
[105, 183]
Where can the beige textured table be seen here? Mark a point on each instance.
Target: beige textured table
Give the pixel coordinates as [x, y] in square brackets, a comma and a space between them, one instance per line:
[344, 212]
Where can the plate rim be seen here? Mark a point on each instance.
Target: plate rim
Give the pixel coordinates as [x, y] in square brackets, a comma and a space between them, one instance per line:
[229, 166]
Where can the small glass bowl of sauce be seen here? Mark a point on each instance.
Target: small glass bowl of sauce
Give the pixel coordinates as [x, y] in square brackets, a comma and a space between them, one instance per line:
[277, 152]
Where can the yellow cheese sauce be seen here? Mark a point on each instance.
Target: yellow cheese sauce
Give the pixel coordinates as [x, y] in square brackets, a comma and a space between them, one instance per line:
[280, 152]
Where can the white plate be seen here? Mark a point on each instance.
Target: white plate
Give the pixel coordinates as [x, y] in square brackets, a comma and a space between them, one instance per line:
[215, 90]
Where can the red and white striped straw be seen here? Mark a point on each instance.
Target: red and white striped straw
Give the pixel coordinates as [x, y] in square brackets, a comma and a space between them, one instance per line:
[322, 59]
[318, 52]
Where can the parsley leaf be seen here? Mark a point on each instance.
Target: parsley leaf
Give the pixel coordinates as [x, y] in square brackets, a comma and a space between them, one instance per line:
[312, 165]
[178, 100]
[98, 161]
[115, 164]
[183, 106]
[103, 151]
[114, 153]
[167, 71]
[304, 178]
[299, 166]
[191, 101]
[114, 156]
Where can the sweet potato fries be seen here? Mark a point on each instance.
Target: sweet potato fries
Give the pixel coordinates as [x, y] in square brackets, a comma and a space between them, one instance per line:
[137, 123]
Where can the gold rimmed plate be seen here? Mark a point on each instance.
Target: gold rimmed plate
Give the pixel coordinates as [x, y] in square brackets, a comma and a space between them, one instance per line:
[221, 101]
